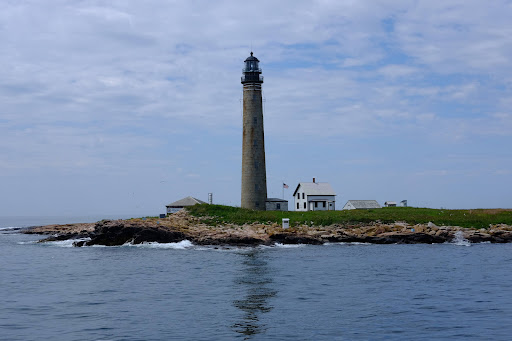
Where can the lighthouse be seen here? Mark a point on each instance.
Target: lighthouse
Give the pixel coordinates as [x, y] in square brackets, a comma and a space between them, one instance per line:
[254, 176]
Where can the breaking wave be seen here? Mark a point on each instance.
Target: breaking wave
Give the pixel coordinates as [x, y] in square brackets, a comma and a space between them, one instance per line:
[10, 228]
[184, 244]
[288, 246]
[460, 240]
[348, 243]
[65, 243]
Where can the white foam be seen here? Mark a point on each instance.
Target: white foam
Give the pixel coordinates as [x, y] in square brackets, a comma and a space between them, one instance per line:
[347, 243]
[66, 243]
[460, 240]
[184, 244]
[229, 248]
[9, 228]
[288, 246]
[28, 243]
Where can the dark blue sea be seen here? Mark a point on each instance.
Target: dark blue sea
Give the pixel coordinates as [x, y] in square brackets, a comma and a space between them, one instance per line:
[53, 291]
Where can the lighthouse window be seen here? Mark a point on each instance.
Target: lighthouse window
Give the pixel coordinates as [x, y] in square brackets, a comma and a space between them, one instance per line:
[255, 120]
[255, 164]
[254, 143]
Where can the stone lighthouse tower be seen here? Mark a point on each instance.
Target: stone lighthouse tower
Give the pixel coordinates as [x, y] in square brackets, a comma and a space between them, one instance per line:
[254, 175]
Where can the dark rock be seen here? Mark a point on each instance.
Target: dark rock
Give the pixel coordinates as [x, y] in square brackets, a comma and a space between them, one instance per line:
[495, 237]
[479, 238]
[348, 239]
[288, 238]
[112, 233]
[230, 240]
[417, 238]
[402, 238]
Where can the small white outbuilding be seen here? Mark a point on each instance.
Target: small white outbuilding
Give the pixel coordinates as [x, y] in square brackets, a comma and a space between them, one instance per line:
[182, 203]
[361, 205]
[276, 204]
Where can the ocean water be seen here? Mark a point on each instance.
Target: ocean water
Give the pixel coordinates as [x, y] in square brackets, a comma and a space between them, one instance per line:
[53, 291]
[9, 222]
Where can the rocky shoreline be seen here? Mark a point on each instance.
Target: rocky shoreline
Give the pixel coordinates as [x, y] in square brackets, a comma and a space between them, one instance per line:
[182, 226]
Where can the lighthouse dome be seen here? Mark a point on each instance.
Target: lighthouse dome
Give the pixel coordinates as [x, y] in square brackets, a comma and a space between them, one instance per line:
[251, 64]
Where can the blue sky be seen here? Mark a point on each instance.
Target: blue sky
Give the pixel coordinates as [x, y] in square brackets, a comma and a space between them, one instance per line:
[114, 107]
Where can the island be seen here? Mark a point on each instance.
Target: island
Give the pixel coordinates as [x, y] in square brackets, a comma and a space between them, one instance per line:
[223, 225]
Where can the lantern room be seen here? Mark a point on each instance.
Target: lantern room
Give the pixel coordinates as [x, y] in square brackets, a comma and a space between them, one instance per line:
[251, 70]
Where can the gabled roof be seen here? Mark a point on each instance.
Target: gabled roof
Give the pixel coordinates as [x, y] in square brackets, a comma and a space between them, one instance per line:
[364, 203]
[251, 57]
[188, 201]
[315, 188]
[276, 200]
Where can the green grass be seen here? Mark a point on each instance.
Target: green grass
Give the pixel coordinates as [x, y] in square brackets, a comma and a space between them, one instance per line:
[146, 217]
[478, 218]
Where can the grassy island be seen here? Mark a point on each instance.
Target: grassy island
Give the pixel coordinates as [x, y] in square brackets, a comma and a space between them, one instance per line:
[474, 218]
[225, 225]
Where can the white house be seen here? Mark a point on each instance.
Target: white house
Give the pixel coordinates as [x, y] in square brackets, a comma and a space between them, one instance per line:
[390, 204]
[276, 204]
[314, 196]
[182, 203]
[361, 205]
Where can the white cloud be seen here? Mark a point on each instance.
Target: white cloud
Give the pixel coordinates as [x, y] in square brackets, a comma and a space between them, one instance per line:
[94, 86]
[457, 36]
[397, 71]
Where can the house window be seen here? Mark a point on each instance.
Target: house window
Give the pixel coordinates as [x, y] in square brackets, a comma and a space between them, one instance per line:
[323, 203]
[316, 204]
[304, 205]
[297, 205]
[302, 195]
[278, 206]
[298, 195]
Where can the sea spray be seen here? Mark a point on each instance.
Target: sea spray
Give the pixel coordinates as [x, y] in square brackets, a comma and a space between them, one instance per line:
[288, 245]
[66, 243]
[10, 228]
[460, 240]
[184, 244]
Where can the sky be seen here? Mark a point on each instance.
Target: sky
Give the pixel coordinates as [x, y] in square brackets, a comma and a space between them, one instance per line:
[121, 107]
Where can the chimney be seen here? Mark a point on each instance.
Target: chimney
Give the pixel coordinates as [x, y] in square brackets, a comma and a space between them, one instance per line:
[313, 180]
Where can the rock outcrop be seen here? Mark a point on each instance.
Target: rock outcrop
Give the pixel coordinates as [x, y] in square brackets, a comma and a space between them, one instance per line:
[181, 226]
